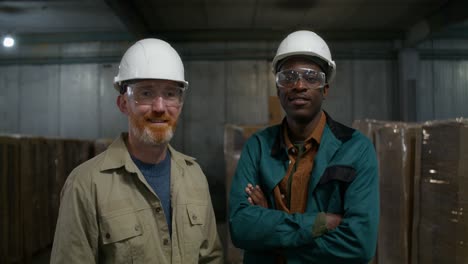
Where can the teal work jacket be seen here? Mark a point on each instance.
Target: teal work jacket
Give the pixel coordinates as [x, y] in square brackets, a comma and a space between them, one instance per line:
[344, 180]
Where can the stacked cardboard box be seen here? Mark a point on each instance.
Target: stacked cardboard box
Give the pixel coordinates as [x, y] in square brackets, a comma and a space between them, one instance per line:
[424, 190]
[369, 128]
[442, 193]
[397, 146]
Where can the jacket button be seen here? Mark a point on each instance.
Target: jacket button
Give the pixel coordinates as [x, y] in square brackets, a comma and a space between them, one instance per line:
[165, 242]
[137, 228]
[194, 217]
[107, 235]
[158, 209]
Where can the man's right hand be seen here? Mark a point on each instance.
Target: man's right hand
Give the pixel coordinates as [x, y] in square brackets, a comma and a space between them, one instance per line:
[256, 196]
[333, 220]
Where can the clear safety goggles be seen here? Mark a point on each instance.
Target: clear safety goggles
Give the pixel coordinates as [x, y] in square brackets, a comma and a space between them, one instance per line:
[311, 79]
[144, 93]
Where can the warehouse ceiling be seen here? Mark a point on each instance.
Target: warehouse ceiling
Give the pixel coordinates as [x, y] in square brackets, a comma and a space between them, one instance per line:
[228, 20]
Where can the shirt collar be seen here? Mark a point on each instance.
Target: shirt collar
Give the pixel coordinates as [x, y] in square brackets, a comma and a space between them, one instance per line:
[283, 141]
[117, 156]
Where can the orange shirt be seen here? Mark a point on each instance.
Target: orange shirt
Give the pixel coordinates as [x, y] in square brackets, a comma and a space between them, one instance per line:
[291, 193]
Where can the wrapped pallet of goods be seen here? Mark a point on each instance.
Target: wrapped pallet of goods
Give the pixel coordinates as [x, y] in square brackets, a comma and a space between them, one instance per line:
[441, 194]
[369, 126]
[398, 147]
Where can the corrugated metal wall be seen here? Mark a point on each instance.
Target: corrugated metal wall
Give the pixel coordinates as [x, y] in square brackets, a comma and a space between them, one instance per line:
[69, 100]
[443, 89]
[77, 100]
[59, 91]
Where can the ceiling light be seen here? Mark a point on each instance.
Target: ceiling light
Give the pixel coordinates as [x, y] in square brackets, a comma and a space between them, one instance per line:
[8, 41]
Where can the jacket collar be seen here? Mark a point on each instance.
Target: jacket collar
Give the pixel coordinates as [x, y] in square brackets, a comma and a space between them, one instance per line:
[117, 156]
[280, 142]
[339, 131]
[329, 146]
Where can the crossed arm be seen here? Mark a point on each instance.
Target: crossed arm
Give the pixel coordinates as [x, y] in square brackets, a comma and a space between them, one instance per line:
[256, 197]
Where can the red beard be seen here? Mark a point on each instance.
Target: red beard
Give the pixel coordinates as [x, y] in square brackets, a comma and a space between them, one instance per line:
[146, 131]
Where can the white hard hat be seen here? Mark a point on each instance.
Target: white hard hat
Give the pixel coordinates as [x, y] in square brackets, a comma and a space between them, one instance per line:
[308, 43]
[150, 59]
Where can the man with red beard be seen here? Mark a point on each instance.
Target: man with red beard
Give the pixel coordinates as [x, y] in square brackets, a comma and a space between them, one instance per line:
[140, 201]
[306, 190]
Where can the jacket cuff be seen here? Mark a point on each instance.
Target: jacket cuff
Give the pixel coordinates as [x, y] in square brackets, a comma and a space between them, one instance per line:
[320, 225]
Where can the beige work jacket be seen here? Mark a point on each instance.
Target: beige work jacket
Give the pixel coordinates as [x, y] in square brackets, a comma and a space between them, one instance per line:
[110, 214]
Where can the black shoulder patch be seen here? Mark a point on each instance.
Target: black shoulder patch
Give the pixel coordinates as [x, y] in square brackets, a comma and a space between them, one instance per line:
[342, 132]
[341, 173]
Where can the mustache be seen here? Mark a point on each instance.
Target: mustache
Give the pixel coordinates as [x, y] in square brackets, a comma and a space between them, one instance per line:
[298, 96]
[162, 117]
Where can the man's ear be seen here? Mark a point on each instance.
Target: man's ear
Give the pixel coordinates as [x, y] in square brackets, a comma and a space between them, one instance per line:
[325, 91]
[122, 103]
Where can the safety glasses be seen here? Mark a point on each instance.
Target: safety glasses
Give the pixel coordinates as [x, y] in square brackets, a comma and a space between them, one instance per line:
[311, 79]
[144, 93]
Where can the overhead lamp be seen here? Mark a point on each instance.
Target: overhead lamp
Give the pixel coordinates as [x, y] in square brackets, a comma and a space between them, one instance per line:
[8, 41]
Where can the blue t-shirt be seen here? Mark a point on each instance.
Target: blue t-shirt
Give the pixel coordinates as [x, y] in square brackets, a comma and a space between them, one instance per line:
[158, 177]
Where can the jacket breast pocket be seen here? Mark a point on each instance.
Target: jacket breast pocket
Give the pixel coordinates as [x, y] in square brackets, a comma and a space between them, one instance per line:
[194, 232]
[121, 237]
[332, 187]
